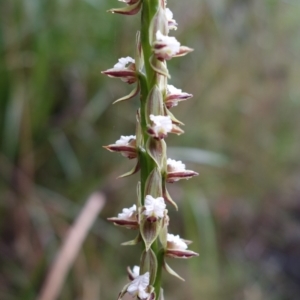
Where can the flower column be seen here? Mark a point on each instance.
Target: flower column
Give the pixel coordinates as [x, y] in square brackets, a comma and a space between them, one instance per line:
[154, 122]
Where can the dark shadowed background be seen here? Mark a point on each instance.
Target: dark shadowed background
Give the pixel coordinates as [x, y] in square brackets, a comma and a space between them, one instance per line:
[242, 136]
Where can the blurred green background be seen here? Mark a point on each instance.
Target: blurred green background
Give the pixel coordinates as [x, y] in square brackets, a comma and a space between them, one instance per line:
[242, 136]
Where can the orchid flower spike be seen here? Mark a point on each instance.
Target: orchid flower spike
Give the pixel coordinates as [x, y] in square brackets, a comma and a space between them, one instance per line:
[154, 121]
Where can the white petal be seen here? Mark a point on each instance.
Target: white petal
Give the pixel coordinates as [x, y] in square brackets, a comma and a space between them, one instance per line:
[171, 22]
[136, 271]
[127, 213]
[175, 242]
[138, 286]
[162, 124]
[175, 165]
[171, 44]
[143, 294]
[169, 14]
[125, 140]
[171, 89]
[154, 207]
[123, 61]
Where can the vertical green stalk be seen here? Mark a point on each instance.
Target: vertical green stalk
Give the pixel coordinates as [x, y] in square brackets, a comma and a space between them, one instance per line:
[149, 10]
[157, 284]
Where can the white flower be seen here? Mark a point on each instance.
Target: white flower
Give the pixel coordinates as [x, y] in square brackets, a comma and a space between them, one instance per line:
[175, 165]
[125, 140]
[139, 285]
[177, 247]
[165, 47]
[123, 69]
[172, 24]
[127, 213]
[161, 125]
[126, 145]
[154, 207]
[174, 95]
[127, 218]
[175, 242]
[176, 171]
[123, 61]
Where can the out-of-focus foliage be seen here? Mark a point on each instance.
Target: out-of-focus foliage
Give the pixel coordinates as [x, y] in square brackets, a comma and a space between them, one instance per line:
[243, 211]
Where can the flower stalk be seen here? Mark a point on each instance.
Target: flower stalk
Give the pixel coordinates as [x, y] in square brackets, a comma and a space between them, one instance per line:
[149, 216]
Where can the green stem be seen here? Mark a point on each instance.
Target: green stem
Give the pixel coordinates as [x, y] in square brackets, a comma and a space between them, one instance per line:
[149, 9]
[144, 95]
[157, 283]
